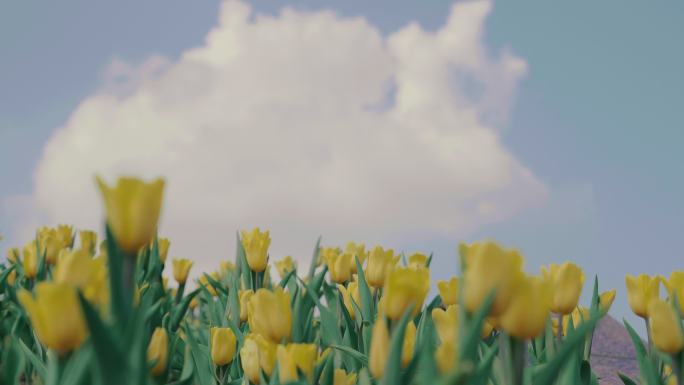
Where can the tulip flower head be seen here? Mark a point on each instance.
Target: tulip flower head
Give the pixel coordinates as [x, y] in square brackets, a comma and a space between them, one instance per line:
[132, 208]
[181, 270]
[158, 351]
[340, 267]
[244, 297]
[417, 260]
[88, 241]
[284, 266]
[665, 327]
[525, 317]
[356, 250]
[163, 245]
[379, 349]
[641, 290]
[256, 245]
[448, 291]
[380, 263]
[56, 315]
[341, 377]
[30, 262]
[223, 345]
[675, 288]
[567, 280]
[606, 300]
[270, 315]
[409, 343]
[405, 287]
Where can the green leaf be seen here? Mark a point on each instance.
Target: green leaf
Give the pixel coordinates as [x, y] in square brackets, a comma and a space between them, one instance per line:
[626, 379]
[470, 332]
[35, 361]
[358, 356]
[179, 310]
[364, 293]
[12, 364]
[648, 371]
[314, 258]
[201, 358]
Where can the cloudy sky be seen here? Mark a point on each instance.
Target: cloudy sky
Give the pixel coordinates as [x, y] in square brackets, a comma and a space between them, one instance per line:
[554, 128]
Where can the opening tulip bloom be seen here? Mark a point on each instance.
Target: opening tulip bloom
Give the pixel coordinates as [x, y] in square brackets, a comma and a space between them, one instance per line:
[341, 377]
[356, 250]
[675, 288]
[132, 208]
[56, 316]
[270, 315]
[339, 268]
[292, 357]
[404, 287]
[181, 270]
[665, 327]
[490, 268]
[567, 280]
[417, 260]
[606, 300]
[284, 266]
[88, 241]
[641, 290]
[223, 345]
[256, 246]
[158, 351]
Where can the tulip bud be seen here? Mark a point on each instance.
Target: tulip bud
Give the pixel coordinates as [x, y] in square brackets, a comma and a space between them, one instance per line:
[640, 291]
[525, 317]
[349, 294]
[256, 245]
[606, 300]
[446, 323]
[132, 208]
[30, 262]
[409, 342]
[51, 246]
[341, 377]
[404, 287]
[181, 269]
[158, 351]
[257, 354]
[222, 346]
[339, 268]
[163, 245]
[284, 266]
[380, 262]
[293, 357]
[13, 255]
[245, 296]
[665, 327]
[56, 316]
[88, 241]
[286, 365]
[490, 268]
[566, 280]
[11, 277]
[448, 291]
[379, 349]
[325, 254]
[269, 314]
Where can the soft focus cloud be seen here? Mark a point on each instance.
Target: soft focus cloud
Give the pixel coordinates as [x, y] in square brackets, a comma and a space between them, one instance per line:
[305, 123]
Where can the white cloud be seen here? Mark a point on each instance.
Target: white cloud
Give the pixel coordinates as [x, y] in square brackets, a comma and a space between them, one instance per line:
[305, 123]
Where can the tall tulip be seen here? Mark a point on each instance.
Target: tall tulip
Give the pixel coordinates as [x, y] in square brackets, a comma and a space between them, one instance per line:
[158, 351]
[566, 280]
[665, 327]
[269, 314]
[525, 317]
[223, 345]
[404, 287]
[641, 290]
[379, 348]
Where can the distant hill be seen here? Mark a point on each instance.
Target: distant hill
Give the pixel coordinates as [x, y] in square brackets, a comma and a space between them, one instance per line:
[612, 351]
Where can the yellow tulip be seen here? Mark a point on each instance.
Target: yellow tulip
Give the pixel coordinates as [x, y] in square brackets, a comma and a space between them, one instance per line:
[379, 349]
[30, 260]
[132, 208]
[245, 296]
[163, 245]
[78, 269]
[341, 377]
[606, 300]
[525, 317]
[88, 240]
[284, 266]
[293, 357]
[446, 356]
[222, 345]
[181, 269]
[675, 288]
[380, 262]
[65, 235]
[257, 354]
[158, 351]
[490, 268]
[640, 291]
[11, 277]
[56, 315]
[51, 247]
[404, 287]
[349, 294]
[566, 280]
[326, 253]
[339, 268]
[578, 315]
[448, 291]
[409, 343]
[418, 260]
[356, 250]
[446, 323]
[194, 303]
[665, 327]
[269, 314]
[13, 255]
[256, 245]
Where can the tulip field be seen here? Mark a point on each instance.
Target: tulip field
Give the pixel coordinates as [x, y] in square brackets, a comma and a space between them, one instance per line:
[77, 311]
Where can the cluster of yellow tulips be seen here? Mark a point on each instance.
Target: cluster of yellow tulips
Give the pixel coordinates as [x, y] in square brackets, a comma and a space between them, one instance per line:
[79, 313]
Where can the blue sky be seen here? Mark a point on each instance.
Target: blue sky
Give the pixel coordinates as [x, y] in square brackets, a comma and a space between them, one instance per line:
[597, 117]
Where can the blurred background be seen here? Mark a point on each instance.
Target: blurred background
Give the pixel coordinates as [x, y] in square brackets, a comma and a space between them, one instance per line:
[553, 128]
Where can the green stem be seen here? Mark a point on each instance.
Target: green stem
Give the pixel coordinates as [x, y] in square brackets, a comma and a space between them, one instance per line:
[179, 292]
[648, 334]
[559, 331]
